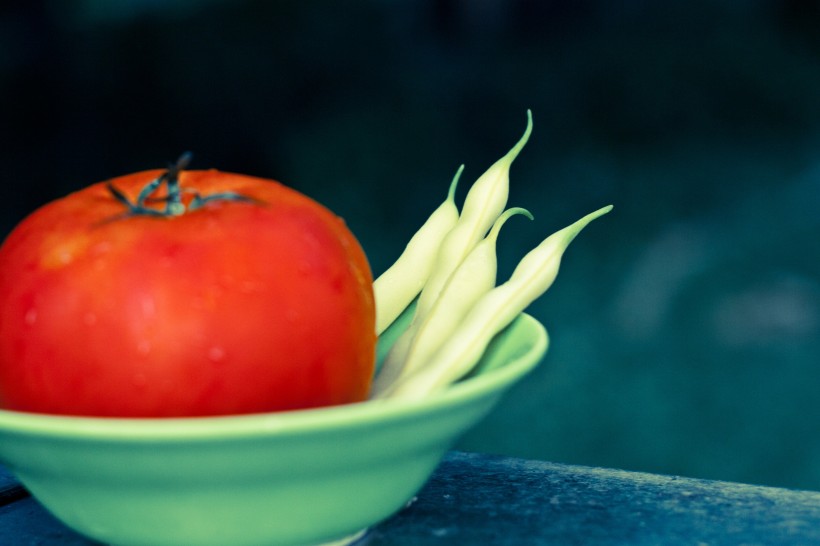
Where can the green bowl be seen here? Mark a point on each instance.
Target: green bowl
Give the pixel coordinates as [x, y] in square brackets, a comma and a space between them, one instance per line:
[302, 477]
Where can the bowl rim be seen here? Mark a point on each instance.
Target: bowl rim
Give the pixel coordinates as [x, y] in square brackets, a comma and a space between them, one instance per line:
[289, 422]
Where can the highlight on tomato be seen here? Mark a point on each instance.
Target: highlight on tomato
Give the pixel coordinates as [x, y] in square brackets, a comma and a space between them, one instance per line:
[178, 293]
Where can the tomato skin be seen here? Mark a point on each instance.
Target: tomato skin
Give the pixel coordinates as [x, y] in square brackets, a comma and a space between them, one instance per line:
[236, 307]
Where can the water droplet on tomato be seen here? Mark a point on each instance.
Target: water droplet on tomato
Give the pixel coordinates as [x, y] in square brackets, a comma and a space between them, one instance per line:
[304, 268]
[101, 248]
[148, 306]
[250, 287]
[216, 354]
[139, 379]
[31, 316]
[144, 347]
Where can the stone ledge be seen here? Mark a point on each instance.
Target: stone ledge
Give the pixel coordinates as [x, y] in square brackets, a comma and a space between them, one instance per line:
[483, 499]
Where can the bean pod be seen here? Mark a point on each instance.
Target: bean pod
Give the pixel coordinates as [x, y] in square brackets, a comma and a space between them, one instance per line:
[473, 278]
[531, 278]
[401, 282]
[483, 204]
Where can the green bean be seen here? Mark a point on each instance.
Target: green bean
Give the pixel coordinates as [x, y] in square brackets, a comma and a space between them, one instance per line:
[402, 281]
[473, 278]
[483, 204]
[532, 277]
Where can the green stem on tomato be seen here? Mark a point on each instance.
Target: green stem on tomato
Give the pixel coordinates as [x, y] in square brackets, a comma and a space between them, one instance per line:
[174, 206]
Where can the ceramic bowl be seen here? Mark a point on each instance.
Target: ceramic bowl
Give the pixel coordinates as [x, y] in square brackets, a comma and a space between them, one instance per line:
[301, 477]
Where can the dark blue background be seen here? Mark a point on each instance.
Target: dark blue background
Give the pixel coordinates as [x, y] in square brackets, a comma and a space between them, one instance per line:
[685, 325]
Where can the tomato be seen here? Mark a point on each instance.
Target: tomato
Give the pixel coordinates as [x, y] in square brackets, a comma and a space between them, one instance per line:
[113, 302]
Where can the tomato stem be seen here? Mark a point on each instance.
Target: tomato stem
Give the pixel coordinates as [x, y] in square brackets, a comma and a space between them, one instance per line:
[174, 205]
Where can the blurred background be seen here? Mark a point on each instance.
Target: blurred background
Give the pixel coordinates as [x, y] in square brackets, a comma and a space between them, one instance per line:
[685, 325]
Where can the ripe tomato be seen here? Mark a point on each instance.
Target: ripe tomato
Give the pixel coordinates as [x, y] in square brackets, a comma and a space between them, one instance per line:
[254, 299]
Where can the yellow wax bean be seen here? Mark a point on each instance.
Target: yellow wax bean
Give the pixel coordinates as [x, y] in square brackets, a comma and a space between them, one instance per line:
[498, 308]
[483, 204]
[402, 281]
[473, 278]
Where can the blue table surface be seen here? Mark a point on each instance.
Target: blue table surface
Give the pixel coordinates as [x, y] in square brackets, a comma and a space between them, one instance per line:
[483, 499]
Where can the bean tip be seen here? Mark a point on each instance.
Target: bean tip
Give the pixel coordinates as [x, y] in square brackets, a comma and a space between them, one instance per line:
[517, 210]
[451, 193]
[513, 153]
[507, 214]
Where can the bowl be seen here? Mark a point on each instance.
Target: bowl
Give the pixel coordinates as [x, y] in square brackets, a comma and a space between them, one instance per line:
[300, 477]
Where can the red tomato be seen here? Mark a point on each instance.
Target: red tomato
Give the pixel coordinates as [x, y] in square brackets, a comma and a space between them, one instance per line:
[243, 305]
